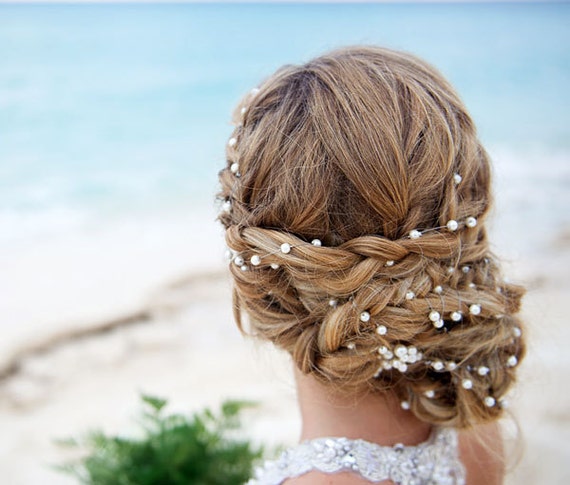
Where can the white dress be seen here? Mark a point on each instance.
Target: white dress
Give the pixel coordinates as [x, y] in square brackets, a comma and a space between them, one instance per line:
[433, 462]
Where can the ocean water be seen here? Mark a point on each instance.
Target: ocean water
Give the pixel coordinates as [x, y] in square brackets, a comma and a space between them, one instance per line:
[110, 113]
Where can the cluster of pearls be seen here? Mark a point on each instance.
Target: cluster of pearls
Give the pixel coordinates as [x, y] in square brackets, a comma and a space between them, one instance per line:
[398, 358]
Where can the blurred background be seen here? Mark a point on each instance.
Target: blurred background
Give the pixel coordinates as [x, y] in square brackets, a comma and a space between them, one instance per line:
[113, 125]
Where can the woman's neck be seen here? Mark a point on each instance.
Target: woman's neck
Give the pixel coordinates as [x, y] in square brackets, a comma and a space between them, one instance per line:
[377, 418]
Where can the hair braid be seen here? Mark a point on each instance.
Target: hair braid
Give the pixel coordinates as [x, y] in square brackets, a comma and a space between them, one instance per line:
[355, 199]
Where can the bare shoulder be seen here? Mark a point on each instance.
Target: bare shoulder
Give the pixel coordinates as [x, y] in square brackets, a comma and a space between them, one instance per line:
[318, 478]
[481, 451]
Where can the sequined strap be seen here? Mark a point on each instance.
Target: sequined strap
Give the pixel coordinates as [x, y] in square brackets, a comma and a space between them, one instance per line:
[434, 462]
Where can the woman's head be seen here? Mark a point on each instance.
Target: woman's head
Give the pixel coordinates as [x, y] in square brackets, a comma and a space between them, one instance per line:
[355, 199]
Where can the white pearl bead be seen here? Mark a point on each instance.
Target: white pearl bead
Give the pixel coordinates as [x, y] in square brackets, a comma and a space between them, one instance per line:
[475, 309]
[382, 350]
[239, 260]
[274, 266]
[512, 361]
[457, 178]
[351, 345]
[483, 370]
[234, 167]
[472, 285]
[438, 365]
[390, 263]
[400, 351]
[412, 350]
[381, 330]
[316, 242]
[388, 355]
[471, 222]
[489, 401]
[438, 289]
[255, 260]
[452, 225]
[456, 316]
[504, 403]
[439, 324]
[405, 405]
[396, 364]
[415, 234]
[227, 206]
[232, 141]
[285, 248]
[244, 268]
[386, 365]
[467, 383]
[333, 303]
[517, 332]
[430, 393]
[364, 317]
[434, 316]
[450, 270]
[465, 269]
[243, 110]
[451, 366]
[410, 295]
[403, 367]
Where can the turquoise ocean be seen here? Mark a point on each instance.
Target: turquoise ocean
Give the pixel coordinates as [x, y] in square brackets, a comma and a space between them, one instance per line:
[109, 113]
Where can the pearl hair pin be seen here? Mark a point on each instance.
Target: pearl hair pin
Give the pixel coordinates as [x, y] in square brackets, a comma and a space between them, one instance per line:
[483, 370]
[457, 178]
[475, 309]
[467, 384]
[381, 330]
[456, 316]
[364, 317]
[438, 365]
[452, 225]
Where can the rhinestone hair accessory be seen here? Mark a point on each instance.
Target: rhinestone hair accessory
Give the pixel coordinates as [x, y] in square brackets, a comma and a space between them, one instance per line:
[435, 461]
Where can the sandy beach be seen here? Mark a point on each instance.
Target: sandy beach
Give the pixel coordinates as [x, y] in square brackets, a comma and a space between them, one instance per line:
[179, 339]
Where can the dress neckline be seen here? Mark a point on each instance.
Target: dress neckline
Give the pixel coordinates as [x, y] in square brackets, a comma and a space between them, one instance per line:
[434, 461]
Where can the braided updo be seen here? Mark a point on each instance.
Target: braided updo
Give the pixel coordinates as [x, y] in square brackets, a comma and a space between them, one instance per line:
[355, 197]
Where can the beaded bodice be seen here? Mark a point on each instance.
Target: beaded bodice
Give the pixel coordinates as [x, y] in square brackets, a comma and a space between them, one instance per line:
[434, 462]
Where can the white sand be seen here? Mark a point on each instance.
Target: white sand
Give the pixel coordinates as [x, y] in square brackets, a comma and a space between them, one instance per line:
[189, 351]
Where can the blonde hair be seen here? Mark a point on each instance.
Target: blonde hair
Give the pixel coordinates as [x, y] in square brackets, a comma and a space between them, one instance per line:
[357, 148]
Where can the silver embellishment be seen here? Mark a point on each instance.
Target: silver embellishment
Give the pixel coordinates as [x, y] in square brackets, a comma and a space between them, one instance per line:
[434, 462]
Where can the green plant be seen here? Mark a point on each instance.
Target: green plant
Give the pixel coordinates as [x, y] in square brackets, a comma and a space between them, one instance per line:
[173, 449]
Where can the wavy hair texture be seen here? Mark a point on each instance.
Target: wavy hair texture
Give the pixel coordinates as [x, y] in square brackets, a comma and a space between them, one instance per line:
[357, 148]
